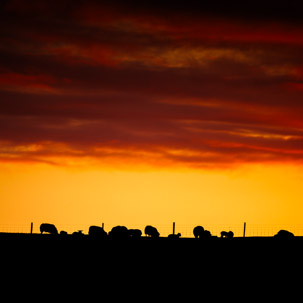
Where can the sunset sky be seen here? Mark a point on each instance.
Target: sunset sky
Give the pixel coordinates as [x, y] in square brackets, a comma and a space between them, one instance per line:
[149, 112]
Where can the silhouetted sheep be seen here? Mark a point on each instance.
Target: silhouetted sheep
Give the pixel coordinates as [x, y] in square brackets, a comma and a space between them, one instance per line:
[119, 232]
[284, 234]
[96, 232]
[174, 236]
[206, 234]
[198, 231]
[225, 234]
[135, 233]
[48, 228]
[151, 231]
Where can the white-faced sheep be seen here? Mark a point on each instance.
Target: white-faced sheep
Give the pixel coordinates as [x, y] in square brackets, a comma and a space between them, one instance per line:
[48, 228]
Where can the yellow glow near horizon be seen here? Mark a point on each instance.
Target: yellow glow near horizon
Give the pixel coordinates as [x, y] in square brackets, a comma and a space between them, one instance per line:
[262, 194]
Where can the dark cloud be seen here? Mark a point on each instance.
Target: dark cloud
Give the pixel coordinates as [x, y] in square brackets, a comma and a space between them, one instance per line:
[183, 83]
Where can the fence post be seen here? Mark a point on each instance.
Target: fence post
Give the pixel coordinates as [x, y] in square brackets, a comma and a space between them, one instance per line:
[32, 224]
[173, 228]
[244, 229]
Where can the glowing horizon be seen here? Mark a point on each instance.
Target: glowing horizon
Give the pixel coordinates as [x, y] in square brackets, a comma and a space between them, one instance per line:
[90, 196]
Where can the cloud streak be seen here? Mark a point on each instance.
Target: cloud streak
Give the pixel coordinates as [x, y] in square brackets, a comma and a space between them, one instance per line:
[186, 86]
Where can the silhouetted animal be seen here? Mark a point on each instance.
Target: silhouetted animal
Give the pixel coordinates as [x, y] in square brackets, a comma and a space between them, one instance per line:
[119, 232]
[151, 231]
[96, 231]
[225, 234]
[198, 231]
[174, 236]
[135, 233]
[284, 234]
[48, 228]
[206, 234]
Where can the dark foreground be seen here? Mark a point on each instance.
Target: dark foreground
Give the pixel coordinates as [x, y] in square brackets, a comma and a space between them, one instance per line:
[183, 250]
[148, 269]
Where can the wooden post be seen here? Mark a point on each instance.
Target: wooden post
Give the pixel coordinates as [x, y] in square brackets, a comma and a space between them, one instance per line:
[32, 225]
[103, 225]
[174, 228]
[244, 229]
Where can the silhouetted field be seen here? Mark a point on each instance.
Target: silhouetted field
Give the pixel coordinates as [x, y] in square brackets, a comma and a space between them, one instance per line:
[51, 247]
[152, 266]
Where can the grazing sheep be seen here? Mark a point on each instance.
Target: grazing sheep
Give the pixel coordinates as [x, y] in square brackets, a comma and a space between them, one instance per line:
[225, 234]
[96, 232]
[230, 234]
[206, 234]
[48, 228]
[284, 234]
[198, 231]
[135, 233]
[119, 232]
[151, 231]
[174, 236]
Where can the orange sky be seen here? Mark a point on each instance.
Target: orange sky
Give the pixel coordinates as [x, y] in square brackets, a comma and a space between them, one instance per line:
[149, 113]
[258, 194]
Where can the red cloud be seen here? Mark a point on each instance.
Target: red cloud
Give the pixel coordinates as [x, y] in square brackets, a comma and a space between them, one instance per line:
[295, 86]
[30, 83]
[150, 85]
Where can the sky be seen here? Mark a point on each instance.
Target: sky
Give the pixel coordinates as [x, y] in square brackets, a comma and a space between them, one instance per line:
[149, 112]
